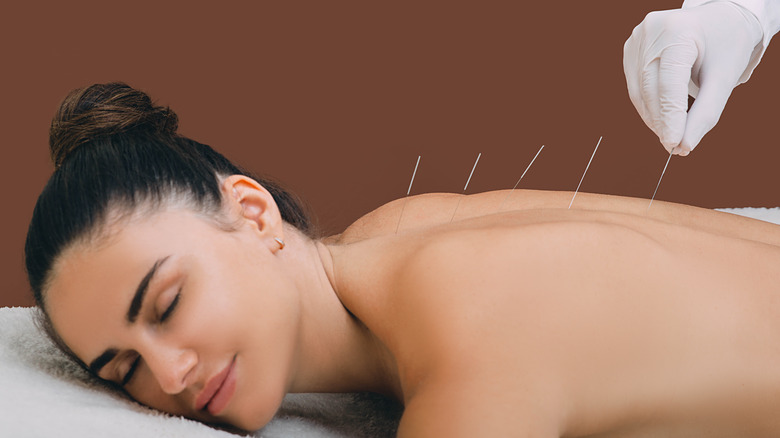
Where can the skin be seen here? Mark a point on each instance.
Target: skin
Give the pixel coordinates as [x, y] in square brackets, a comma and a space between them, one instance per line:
[603, 320]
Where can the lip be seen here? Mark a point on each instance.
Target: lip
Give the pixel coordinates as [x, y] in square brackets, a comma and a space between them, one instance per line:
[218, 391]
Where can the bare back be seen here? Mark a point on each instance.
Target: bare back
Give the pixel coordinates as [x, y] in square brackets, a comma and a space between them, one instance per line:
[559, 322]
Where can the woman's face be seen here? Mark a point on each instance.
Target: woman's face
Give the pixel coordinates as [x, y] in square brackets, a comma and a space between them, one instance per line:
[188, 318]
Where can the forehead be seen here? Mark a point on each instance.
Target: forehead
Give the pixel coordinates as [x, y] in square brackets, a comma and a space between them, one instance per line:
[93, 282]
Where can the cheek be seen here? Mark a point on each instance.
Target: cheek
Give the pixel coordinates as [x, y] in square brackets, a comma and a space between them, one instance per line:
[259, 297]
[214, 307]
[270, 341]
[247, 308]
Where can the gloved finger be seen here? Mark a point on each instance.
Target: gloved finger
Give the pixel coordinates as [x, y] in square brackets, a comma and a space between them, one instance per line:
[681, 151]
[633, 72]
[674, 75]
[651, 98]
[706, 110]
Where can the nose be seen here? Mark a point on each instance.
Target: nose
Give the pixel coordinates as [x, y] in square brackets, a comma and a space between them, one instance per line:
[170, 365]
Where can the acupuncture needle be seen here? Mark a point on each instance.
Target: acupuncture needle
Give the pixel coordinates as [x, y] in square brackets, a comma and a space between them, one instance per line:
[466, 187]
[521, 178]
[403, 206]
[586, 171]
[659, 181]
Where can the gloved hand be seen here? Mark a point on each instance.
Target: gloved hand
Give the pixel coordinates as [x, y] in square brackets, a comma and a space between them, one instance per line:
[707, 47]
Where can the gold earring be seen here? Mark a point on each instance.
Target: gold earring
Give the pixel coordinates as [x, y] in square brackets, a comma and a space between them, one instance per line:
[280, 242]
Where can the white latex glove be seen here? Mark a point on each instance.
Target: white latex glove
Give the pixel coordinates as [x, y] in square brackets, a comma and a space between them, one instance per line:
[709, 46]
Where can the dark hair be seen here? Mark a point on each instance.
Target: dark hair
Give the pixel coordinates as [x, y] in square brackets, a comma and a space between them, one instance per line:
[112, 147]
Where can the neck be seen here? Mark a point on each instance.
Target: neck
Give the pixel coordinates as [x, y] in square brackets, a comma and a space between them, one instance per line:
[336, 352]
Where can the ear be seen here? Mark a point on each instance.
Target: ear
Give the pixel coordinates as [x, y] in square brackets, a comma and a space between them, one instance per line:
[247, 200]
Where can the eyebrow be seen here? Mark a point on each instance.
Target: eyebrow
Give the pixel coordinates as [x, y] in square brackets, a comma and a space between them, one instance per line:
[132, 314]
[143, 286]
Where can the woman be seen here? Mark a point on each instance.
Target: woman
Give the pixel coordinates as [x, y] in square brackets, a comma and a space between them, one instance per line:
[201, 291]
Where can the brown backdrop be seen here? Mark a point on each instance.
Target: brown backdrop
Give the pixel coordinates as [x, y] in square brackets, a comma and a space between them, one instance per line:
[338, 98]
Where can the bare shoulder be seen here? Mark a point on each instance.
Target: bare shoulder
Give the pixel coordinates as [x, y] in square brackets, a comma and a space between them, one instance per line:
[431, 209]
[419, 210]
[475, 309]
[460, 294]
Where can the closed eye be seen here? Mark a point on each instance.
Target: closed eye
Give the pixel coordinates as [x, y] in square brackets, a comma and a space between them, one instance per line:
[171, 307]
[131, 371]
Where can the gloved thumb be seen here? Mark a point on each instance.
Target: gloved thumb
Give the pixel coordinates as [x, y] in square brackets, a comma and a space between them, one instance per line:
[705, 112]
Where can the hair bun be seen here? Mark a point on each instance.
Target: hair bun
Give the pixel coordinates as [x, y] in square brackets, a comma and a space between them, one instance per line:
[103, 110]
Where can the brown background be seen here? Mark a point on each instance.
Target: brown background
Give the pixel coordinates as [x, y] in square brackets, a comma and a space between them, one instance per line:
[338, 98]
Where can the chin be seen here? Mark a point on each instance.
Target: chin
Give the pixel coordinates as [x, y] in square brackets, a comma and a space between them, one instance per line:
[255, 423]
[256, 417]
